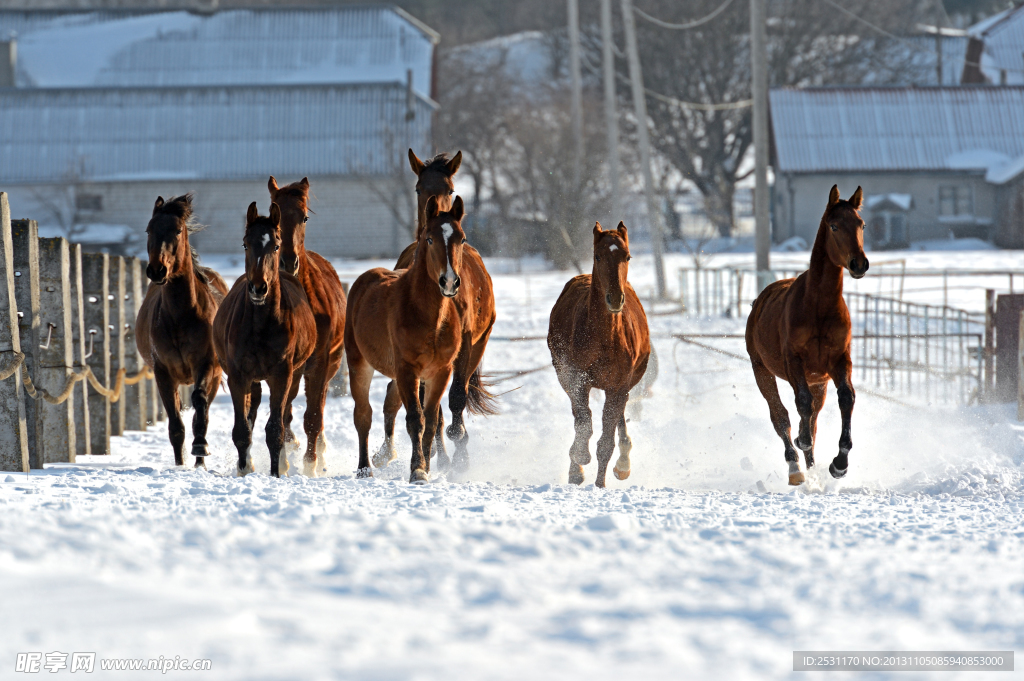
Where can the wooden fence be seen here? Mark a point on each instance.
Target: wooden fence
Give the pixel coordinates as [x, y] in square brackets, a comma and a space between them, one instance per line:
[71, 376]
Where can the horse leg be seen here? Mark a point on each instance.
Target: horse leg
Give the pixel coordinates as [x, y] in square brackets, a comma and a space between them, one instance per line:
[780, 417]
[841, 374]
[205, 380]
[818, 392]
[359, 375]
[241, 399]
[280, 388]
[255, 398]
[614, 412]
[313, 420]
[621, 470]
[409, 389]
[578, 391]
[804, 400]
[291, 443]
[172, 405]
[433, 418]
[387, 452]
[443, 462]
[333, 364]
[457, 397]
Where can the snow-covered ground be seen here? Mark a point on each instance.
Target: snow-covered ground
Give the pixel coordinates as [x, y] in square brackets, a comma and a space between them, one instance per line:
[685, 570]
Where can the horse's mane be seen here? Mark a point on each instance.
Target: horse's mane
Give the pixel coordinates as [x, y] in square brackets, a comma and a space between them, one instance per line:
[180, 207]
[439, 163]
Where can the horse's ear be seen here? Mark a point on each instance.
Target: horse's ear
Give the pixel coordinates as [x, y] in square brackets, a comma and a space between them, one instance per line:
[159, 202]
[431, 208]
[275, 214]
[597, 232]
[251, 214]
[458, 209]
[833, 196]
[305, 182]
[453, 165]
[272, 185]
[623, 232]
[415, 163]
[857, 198]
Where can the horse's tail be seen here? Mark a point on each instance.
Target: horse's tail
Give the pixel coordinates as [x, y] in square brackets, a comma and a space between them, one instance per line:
[479, 399]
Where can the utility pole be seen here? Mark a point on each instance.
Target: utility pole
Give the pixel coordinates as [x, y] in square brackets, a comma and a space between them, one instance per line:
[577, 94]
[611, 118]
[640, 108]
[759, 72]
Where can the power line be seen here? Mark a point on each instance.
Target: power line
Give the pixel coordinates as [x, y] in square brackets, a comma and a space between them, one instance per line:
[688, 24]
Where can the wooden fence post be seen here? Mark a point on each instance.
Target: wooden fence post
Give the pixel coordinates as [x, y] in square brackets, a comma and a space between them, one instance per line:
[13, 430]
[96, 288]
[25, 234]
[1020, 369]
[117, 275]
[56, 434]
[134, 395]
[83, 442]
[990, 343]
[339, 384]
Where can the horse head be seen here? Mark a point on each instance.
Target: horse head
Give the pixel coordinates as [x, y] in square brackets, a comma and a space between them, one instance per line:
[293, 201]
[262, 243]
[441, 243]
[611, 265]
[434, 178]
[845, 245]
[167, 238]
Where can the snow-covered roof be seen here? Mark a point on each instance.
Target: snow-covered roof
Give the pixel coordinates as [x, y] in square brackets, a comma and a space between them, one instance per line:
[1003, 35]
[232, 47]
[900, 201]
[207, 132]
[885, 129]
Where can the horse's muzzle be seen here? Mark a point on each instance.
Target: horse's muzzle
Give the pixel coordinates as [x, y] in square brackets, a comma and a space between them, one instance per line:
[156, 273]
[258, 293]
[858, 267]
[449, 289]
[615, 306]
[290, 266]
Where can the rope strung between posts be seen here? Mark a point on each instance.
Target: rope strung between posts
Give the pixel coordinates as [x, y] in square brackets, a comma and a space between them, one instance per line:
[682, 27]
[112, 395]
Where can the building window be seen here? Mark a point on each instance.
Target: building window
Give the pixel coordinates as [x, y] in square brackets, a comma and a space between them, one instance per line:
[89, 202]
[955, 201]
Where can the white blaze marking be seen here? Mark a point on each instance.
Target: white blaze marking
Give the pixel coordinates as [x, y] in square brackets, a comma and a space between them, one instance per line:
[266, 238]
[449, 275]
[613, 247]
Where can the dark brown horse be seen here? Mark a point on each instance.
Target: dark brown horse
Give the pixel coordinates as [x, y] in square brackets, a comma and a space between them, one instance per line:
[264, 331]
[799, 330]
[405, 325]
[327, 301]
[174, 329]
[598, 338]
[475, 305]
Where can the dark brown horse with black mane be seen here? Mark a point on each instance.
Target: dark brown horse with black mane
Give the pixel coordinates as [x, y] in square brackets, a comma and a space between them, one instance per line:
[327, 301]
[264, 331]
[799, 330]
[598, 338]
[405, 325]
[475, 306]
[174, 329]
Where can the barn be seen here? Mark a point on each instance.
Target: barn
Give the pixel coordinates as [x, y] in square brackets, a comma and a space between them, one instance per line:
[107, 110]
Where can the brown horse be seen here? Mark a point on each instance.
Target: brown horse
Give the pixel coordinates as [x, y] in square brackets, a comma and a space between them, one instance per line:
[264, 331]
[475, 305]
[174, 329]
[327, 300]
[405, 325]
[598, 338]
[799, 330]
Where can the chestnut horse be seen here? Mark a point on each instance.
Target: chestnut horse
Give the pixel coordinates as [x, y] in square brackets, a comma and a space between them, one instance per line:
[174, 329]
[799, 330]
[405, 325]
[475, 305]
[327, 301]
[264, 331]
[598, 338]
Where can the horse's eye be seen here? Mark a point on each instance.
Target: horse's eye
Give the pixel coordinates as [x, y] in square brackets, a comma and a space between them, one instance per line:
[430, 241]
[450, 192]
[245, 247]
[464, 239]
[178, 233]
[417, 191]
[597, 258]
[833, 227]
[276, 249]
[628, 258]
[305, 218]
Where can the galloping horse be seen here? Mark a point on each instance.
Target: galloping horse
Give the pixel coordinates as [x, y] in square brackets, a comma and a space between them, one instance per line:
[475, 305]
[598, 338]
[799, 330]
[405, 325]
[327, 301]
[174, 329]
[264, 330]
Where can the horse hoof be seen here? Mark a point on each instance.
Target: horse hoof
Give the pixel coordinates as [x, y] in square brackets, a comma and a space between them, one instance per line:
[576, 474]
[321, 445]
[796, 478]
[803, 446]
[620, 475]
[443, 462]
[309, 468]
[836, 472]
[419, 477]
[283, 466]
[364, 473]
[200, 462]
[384, 456]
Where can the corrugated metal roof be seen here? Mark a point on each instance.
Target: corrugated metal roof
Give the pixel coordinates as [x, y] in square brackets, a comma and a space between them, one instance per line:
[872, 129]
[207, 133]
[141, 49]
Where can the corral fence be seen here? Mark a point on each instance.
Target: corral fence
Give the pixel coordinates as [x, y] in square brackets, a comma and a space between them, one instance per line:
[71, 376]
[925, 352]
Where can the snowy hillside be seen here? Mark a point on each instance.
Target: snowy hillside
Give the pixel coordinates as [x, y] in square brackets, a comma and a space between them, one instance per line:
[685, 570]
